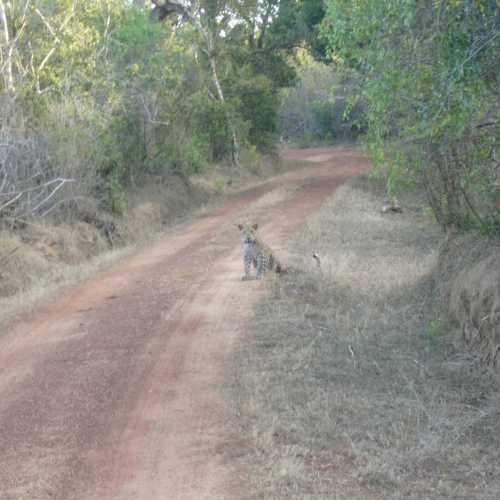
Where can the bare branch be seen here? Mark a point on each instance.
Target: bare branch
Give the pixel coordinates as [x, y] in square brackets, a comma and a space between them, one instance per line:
[11, 202]
[8, 255]
[47, 24]
[6, 34]
[51, 195]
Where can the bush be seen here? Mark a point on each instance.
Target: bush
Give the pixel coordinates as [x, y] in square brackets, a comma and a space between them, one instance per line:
[322, 107]
[430, 88]
[258, 107]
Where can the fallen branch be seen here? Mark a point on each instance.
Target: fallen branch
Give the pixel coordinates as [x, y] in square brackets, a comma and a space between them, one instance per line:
[54, 191]
[8, 255]
[41, 199]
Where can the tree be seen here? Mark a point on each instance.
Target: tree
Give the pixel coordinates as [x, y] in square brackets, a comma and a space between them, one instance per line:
[243, 39]
[209, 20]
[430, 73]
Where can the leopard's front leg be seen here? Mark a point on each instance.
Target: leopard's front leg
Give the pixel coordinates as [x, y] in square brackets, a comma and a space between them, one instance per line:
[259, 265]
[247, 262]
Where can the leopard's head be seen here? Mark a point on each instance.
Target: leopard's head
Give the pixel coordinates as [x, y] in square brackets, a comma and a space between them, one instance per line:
[248, 233]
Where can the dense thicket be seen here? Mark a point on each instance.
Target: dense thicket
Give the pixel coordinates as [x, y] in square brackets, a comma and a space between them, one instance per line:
[97, 94]
[429, 74]
[322, 107]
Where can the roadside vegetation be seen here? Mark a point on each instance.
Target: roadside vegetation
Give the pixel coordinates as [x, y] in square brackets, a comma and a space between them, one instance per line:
[319, 108]
[98, 96]
[350, 383]
[429, 78]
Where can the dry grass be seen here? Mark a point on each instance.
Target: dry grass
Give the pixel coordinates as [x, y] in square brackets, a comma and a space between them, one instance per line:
[34, 284]
[40, 249]
[348, 386]
[39, 257]
[273, 197]
[469, 279]
[227, 178]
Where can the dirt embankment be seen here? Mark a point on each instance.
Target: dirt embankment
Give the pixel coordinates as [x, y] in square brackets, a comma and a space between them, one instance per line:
[36, 252]
[468, 284]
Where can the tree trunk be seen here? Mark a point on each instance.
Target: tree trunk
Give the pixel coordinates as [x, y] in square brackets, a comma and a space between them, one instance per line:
[8, 64]
[220, 94]
[172, 6]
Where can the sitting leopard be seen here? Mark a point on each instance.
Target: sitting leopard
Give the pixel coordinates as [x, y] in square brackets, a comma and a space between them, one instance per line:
[256, 253]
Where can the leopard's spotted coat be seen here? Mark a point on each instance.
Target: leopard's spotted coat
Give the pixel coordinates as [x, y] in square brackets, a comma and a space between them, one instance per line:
[256, 253]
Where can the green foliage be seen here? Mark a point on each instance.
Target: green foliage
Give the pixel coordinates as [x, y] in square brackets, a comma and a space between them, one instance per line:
[114, 95]
[273, 65]
[252, 159]
[287, 29]
[313, 12]
[430, 75]
[322, 106]
[220, 183]
[394, 177]
[258, 72]
[259, 107]
[433, 332]
[112, 196]
[211, 124]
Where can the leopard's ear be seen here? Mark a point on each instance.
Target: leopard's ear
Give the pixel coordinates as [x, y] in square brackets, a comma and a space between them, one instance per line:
[255, 227]
[240, 227]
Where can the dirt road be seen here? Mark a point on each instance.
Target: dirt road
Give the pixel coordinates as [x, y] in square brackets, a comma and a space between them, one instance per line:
[113, 390]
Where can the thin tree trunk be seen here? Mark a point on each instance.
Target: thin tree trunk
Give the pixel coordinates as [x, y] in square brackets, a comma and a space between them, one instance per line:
[210, 52]
[234, 138]
[433, 201]
[9, 49]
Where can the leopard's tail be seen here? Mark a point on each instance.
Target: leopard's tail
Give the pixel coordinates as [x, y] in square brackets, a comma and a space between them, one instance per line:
[280, 269]
[277, 266]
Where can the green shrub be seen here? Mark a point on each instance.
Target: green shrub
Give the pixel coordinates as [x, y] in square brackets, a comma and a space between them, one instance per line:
[429, 73]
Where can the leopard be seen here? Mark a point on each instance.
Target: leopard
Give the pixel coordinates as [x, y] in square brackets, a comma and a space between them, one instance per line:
[257, 254]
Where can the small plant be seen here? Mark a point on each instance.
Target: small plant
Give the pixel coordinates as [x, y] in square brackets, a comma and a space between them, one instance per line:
[252, 159]
[114, 197]
[433, 330]
[429, 215]
[220, 183]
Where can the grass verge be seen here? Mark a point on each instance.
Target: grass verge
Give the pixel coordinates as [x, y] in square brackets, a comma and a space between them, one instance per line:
[348, 385]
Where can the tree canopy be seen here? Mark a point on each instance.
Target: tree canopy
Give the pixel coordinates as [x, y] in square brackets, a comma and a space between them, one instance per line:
[107, 91]
[97, 94]
[429, 74]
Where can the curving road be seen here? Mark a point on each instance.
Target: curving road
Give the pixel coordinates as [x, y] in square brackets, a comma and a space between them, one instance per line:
[113, 390]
